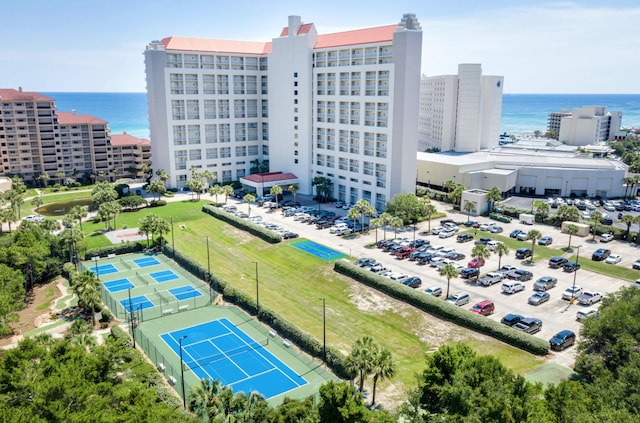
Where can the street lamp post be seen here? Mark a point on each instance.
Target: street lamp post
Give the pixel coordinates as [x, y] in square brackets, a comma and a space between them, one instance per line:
[133, 333]
[184, 398]
[324, 331]
[257, 293]
[573, 289]
[173, 242]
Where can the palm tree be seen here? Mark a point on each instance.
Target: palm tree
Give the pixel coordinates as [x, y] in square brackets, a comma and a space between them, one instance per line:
[596, 216]
[163, 175]
[396, 223]
[78, 213]
[157, 187]
[383, 368]
[481, 252]
[571, 230]
[71, 236]
[227, 191]
[364, 209]
[543, 210]
[276, 190]
[568, 213]
[469, 207]
[456, 195]
[493, 195]
[627, 180]
[249, 198]
[44, 177]
[449, 185]
[500, 249]
[37, 202]
[363, 352]
[627, 219]
[429, 211]
[8, 216]
[449, 272]
[60, 176]
[376, 223]
[203, 398]
[161, 226]
[293, 189]
[146, 226]
[385, 219]
[216, 190]
[533, 235]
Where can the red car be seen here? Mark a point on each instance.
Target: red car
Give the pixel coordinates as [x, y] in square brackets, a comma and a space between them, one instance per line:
[483, 308]
[476, 262]
[404, 253]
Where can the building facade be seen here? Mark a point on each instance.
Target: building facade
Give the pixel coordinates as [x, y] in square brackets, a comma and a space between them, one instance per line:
[342, 106]
[36, 139]
[460, 112]
[587, 125]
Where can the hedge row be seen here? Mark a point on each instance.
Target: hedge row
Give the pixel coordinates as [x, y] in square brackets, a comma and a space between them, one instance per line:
[286, 329]
[246, 225]
[443, 309]
[122, 248]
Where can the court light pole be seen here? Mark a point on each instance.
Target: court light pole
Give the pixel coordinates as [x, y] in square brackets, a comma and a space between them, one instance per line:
[572, 300]
[257, 293]
[133, 333]
[324, 331]
[208, 262]
[173, 242]
[184, 398]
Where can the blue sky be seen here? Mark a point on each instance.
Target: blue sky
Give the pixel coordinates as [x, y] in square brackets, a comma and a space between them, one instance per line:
[538, 46]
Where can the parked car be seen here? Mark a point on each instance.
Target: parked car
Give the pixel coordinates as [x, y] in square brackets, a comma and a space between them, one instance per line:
[476, 262]
[484, 308]
[412, 282]
[520, 275]
[491, 245]
[523, 253]
[343, 231]
[436, 291]
[572, 292]
[545, 283]
[514, 233]
[454, 255]
[522, 236]
[437, 230]
[511, 319]
[571, 266]
[469, 272]
[636, 264]
[600, 254]
[459, 298]
[613, 259]
[585, 313]
[403, 253]
[539, 297]
[464, 237]
[606, 237]
[562, 340]
[490, 278]
[545, 240]
[289, 235]
[506, 268]
[362, 262]
[482, 241]
[511, 287]
[529, 325]
[589, 297]
[557, 262]
[606, 220]
[496, 229]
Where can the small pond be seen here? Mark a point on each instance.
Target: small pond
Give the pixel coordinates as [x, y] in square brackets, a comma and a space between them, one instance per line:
[60, 208]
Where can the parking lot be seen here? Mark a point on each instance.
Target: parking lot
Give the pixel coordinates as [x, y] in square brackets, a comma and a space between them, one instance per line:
[556, 314]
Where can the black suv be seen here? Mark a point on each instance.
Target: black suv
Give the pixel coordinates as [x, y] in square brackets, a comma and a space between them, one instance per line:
[600, 254]
[469, 272]
[571, 266]
[464, 237]
[557, 262]
[520, 275]
[511, 319]
[523, 253]
[562, 340]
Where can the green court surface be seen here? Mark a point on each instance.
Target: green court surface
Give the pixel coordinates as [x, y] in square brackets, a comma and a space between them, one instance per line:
[161, 304]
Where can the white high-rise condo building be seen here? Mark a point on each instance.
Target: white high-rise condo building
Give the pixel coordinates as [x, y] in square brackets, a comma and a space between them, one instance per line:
[342, 106]
[588, 125]
[460, 112]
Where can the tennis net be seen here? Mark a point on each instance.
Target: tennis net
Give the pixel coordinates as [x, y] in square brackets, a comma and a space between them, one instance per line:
[126, 264]
[222, 355]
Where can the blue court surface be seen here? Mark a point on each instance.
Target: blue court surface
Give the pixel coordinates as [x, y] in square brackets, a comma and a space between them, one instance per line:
[185, 292]
[104, 269]
[320, 251]
[146, 261]
[221, 351]
[118, 285]
[164, 276]
[137, 303]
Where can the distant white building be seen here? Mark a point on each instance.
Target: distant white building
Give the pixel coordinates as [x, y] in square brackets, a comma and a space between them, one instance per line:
[588, 125]
[460, 112]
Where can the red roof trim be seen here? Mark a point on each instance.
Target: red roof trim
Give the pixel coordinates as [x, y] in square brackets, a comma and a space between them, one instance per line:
[68, 118]
[8, 94]
[270, 177]
[121, 140]
[216, 46]
[358, 36]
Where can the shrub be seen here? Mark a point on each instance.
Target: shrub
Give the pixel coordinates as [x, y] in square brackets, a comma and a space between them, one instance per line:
[443, 309]
[123, 248]
[256, 230]
[157, 203]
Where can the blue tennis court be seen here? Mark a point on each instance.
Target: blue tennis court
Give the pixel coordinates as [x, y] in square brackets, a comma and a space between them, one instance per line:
[164, 276]
[137, 303]
[318, 250]
[104, 269]
[118, 285]
[146, 261]
[221, 351]
[185, 292]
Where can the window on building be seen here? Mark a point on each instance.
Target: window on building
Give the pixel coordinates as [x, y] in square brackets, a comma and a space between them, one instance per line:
[295, 74]
[295, 161]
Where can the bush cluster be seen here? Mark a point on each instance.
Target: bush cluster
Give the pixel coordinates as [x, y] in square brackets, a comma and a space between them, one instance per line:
[157, 203]
[443, 309]
[123, 248]
[286, 329]
[256, 230]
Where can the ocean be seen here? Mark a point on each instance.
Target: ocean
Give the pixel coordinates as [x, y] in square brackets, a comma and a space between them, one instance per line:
[522, 114]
